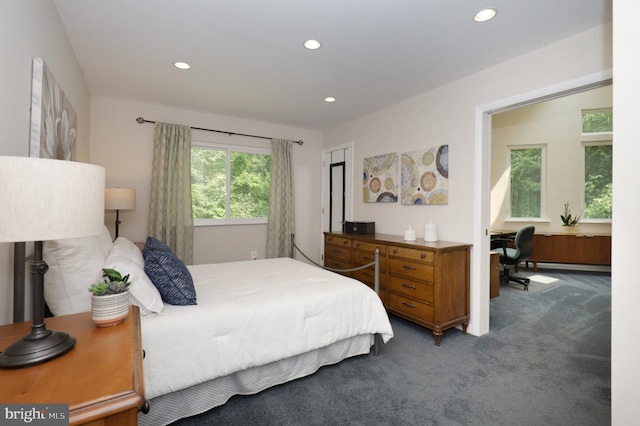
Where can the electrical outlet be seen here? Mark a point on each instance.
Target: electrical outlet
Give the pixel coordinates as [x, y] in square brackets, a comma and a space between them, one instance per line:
[254, 255]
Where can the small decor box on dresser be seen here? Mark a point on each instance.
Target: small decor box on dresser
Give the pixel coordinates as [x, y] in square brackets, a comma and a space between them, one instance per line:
[101, 378]
[423, 282]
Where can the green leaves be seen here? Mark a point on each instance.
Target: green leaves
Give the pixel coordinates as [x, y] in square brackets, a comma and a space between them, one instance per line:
[114, 283]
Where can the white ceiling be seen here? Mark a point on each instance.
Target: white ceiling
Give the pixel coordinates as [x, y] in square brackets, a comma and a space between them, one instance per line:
[248, 60]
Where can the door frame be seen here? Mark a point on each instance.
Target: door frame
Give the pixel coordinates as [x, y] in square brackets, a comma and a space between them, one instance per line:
[480, 289]
[324, 188]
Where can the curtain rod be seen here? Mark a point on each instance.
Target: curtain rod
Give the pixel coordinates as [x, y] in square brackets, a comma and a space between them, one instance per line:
[141, 120]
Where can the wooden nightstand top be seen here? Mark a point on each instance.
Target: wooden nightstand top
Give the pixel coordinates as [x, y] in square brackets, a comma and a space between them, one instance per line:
[100, 377]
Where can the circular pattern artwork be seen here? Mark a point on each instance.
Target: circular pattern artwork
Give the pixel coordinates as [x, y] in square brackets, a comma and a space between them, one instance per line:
[425, 176]
[379, 179]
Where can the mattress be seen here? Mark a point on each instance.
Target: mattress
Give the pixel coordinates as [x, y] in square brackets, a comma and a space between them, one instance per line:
[253, 313]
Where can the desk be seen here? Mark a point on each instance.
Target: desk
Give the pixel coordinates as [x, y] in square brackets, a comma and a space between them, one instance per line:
[100, 378]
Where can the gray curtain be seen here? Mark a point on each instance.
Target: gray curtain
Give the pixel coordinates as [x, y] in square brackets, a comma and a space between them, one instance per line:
[281, 203]
[170, 215]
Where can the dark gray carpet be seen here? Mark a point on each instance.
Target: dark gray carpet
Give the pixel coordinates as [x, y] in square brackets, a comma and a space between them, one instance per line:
[546, 361]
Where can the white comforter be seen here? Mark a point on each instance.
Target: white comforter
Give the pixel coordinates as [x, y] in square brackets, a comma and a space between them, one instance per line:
[252, 313]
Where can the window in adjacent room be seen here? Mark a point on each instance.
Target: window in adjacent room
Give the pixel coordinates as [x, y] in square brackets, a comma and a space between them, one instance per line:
[230, 184]
[597, 121]
[597, 132]
[526, 181]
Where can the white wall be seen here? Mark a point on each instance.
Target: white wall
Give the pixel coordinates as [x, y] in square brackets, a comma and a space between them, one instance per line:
[31, 29]
[625, 350]
[125, 149]
[557, 125]
[447, 115]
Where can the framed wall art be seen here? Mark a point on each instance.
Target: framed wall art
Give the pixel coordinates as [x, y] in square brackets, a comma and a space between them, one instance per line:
[53, 119]
[380, 179]
[425, 176]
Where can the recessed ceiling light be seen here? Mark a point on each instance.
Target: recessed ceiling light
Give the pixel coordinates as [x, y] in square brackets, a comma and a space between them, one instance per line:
[312, 44]
[485, 15]
[330, 99]
[182, 65]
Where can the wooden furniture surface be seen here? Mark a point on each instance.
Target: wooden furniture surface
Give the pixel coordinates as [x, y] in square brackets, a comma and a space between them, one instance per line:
[494, 279]
[587, 249]
[426, 283]
[100, 378]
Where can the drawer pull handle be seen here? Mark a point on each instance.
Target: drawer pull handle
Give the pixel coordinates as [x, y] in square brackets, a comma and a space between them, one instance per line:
[409, 267]
[357, 245]
[413, 287]
[345, 242]
[422, 255]
[395, 251]
[410, 305]
[368, 258]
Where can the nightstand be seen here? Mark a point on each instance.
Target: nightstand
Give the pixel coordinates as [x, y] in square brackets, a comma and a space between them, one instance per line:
[100, 378]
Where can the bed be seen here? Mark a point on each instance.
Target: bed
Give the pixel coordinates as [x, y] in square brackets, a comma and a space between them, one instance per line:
[241, 327]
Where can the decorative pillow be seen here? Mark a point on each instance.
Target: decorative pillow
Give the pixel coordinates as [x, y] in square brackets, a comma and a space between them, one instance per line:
[74, 264]
[171, 277]
[142, 291]
[124, 247]
[104, 241]
[155, 245]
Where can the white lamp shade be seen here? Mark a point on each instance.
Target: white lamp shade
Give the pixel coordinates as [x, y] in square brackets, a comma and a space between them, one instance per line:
[44, 199]
[120, 199]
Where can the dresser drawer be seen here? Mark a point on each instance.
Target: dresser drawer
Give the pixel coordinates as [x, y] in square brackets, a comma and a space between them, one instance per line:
[368, 277]
[338, 253]
[410, 307]
[414, 289]
[371, 247]
[362, 258]
[410, 269]
[411, 254]
[337, 264]
[337, 241]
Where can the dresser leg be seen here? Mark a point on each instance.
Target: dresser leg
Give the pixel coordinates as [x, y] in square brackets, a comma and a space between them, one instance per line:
[436, 335]
[464, 327]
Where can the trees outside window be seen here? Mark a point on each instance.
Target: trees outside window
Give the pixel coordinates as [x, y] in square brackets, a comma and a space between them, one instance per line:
[598, 163]
[526, 182]
[230, 185]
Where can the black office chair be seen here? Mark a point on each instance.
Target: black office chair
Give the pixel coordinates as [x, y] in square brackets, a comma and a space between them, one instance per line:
[523, 242]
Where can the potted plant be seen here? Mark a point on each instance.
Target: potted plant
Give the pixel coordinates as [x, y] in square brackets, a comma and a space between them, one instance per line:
[110, 299]
[569, 223]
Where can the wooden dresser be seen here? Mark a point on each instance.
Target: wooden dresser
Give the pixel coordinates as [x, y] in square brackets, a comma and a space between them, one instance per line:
[100, 378]
[426, 283]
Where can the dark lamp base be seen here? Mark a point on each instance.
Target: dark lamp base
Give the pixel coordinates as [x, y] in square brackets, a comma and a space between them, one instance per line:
[36, 349]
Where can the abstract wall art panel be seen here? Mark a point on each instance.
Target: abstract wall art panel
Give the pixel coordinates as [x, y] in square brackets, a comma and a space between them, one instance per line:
[424, 176]
[53, 119]
[380, 179]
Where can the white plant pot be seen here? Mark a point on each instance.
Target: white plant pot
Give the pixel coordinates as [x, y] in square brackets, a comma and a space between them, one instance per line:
[110, 310]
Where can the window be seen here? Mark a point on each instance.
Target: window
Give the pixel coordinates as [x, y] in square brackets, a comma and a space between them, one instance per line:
[597, 121]
[597, 133]
[230, 185]
[526, 183]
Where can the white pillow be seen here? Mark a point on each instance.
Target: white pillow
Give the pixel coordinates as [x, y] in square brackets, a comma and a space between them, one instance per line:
[124, 247]
[142, 291]
[74, 264]
[104, 241]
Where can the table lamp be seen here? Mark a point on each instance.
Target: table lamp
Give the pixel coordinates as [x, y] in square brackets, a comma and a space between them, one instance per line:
[45, 199]
[119, 199]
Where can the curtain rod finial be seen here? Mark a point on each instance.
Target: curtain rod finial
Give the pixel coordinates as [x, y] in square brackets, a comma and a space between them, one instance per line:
[140, 120]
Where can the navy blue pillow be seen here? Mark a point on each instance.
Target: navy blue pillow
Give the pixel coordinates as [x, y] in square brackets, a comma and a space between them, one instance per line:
[171, 277]
[153, 244]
